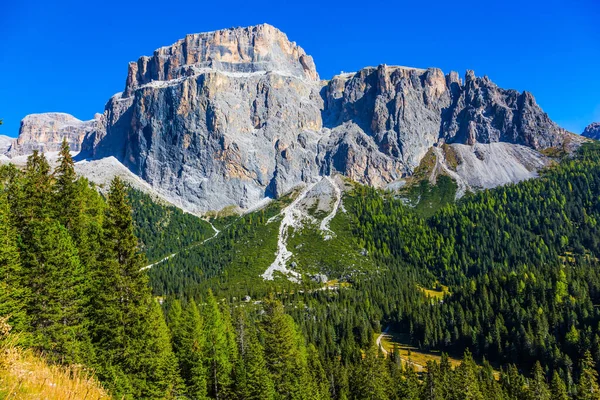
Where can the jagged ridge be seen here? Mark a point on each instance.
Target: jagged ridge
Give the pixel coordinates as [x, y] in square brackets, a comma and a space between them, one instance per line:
[231, 116]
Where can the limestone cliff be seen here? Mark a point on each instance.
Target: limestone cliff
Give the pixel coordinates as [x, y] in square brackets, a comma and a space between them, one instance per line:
[45, 132]
[231, 116]
[592, 131]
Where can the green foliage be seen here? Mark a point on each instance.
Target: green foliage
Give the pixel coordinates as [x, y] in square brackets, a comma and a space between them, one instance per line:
[164, 229]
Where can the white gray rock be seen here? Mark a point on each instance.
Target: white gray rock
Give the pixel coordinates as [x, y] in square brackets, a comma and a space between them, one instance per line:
[592, 131]
[45, 132]
[233, 116]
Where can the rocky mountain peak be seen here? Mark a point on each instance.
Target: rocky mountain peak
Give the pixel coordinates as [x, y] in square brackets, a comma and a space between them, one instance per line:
[592, 131]
[229, 117]
[254, 49]
[45, 132]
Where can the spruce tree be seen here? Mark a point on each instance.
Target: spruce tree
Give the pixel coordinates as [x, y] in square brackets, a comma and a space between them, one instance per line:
[56, 307]
[217, 354]
[587, 388]
[467, 384]
[538, 389]
[558, 389]
[128, 328]
[13, 288]
[252, 379]
[67, 199]
[187, 329]
[285, 359]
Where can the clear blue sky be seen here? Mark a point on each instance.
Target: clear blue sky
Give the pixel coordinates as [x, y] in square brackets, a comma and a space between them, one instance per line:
[71, 56]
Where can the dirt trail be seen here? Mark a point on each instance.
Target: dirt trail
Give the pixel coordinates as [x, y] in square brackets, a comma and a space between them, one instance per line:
[418, 367]
[190, 247]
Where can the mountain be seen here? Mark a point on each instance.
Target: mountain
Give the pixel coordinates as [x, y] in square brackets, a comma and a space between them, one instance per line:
[229, 117]
[592, 131]
[5, 142]
[45, 132]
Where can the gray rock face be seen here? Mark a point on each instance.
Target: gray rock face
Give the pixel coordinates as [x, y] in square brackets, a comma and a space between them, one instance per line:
[592, 131]
[5, 143]
[45, 132]
[231, 116]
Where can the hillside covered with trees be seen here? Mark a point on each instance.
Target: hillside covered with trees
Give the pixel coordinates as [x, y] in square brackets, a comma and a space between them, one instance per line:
[519, 263]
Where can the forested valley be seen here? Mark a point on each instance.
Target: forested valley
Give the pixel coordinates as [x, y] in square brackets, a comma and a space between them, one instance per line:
[518, 264]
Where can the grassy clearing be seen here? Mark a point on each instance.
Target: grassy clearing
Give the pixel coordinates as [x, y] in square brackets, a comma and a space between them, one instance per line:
[426, 198]
[24, 375]
[410, 353]
[436, 293]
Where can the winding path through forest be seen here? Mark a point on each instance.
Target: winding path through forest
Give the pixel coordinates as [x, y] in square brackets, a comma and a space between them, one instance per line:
[187, 248]
[418, 367]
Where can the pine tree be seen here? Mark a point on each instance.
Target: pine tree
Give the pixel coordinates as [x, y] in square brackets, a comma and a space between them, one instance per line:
[219, 366]
[252, 379]
[13, 290]
[538, 389]
[128, 328]
[558, 389]
[285, 359]
[587, 388]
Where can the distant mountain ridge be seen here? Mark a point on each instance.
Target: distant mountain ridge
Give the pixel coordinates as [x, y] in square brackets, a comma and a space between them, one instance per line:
[229, 117]
[592, 131]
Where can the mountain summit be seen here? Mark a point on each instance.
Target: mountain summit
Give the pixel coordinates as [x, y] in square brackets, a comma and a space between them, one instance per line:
[233, 116]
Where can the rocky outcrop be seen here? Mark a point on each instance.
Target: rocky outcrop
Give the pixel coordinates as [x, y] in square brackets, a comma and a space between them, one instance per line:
[231, 116]
[261, 48]
[45, 132]
[592, 131]
[5, 142]
[384, 120]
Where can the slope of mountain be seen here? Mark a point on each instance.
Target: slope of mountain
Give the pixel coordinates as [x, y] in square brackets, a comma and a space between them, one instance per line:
[227, 118]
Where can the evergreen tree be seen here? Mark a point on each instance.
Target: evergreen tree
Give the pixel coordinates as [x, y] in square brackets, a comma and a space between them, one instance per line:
[13, 288]
[252, 379]
[587, 388]
[128, 328]
[558, 389]
[67, 204]
[218, 364]
[467, 385]
[56, 306]
[538, 389]
[187, 329]
[370, 379]
[284, 353]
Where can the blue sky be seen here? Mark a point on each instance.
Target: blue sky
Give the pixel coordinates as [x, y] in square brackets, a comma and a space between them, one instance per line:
[71, 56]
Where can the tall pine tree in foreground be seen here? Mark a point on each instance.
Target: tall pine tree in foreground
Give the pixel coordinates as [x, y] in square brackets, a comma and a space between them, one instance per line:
[13, 291]
[129, 331]
[252, 378]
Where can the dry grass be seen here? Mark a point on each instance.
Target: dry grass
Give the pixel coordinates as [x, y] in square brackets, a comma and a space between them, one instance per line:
[24, 375]
[413, 356]
[436, 294]
[408, 353]
[452, 159]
